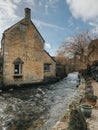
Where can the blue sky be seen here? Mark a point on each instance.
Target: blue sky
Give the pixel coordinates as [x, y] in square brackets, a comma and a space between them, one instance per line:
[56, 20]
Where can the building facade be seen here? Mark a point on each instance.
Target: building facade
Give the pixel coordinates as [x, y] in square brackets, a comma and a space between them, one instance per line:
[93, 51]
[24, 58]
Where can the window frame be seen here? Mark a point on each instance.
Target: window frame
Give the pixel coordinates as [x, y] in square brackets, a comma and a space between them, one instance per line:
[18, 65]
[19, 68]
[47, 67]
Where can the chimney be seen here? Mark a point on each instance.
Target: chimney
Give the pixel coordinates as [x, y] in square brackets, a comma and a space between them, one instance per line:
[28, 13]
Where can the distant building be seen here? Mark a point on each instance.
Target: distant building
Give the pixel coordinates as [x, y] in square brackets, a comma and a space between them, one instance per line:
[61, 69]
[24, 59]
[93, 51]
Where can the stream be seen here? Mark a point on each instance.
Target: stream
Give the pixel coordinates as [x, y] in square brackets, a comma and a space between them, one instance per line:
[36, 108]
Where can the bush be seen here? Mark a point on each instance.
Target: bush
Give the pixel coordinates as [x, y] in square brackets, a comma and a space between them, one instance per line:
[91, 97]
[77, 121]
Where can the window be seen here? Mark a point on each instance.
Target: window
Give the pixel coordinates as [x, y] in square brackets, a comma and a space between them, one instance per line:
[18, 66]
[23, 27]
[47, 67]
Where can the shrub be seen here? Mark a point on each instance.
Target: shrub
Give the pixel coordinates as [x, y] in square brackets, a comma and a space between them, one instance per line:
[77, 120]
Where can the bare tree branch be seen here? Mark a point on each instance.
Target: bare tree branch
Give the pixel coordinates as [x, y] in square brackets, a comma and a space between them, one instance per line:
[76, 46]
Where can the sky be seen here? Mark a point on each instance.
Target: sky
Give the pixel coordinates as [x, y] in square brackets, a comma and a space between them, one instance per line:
[56, 20]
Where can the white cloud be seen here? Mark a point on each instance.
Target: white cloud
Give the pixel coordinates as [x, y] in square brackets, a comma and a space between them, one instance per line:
[7, 9]
[16, 1]
[47, 45]
[94, 24]
[7, 14]
[84, 9]
[40, 24]
[30, 2]
[48, 5]
[94, 31]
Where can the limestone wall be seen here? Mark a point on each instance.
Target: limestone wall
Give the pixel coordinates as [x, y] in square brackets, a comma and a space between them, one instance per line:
[93, 51]
[49, 60]
[63, 123]
[24, 42]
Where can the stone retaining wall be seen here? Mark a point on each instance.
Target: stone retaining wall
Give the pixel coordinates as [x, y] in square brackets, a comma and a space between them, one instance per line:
[62, 124]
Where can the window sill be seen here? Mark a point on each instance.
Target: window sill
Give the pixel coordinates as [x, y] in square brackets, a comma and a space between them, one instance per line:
[17, 75]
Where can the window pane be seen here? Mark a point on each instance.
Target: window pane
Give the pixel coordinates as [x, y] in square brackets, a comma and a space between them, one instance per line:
[47, 67]
[16, 69]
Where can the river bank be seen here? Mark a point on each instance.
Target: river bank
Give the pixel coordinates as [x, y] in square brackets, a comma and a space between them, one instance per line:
[92, 122]
[51, 80]
[62, 124]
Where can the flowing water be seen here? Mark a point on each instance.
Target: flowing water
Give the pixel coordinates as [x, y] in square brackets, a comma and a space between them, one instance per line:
[36, 108]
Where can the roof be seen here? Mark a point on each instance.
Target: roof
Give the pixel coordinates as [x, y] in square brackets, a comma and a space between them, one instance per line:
[37, 31]
[49, 55]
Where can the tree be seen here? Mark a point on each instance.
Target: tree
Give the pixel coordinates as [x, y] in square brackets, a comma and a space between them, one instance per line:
[61, 57]
[76, 49]
[78, 46]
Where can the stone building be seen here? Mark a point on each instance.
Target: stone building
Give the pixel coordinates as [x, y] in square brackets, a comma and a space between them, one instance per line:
[93, 51]
[24, 58]
[61, 66]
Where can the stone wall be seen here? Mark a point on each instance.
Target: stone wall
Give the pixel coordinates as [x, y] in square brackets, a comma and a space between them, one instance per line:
[23, 41]
[63, 123]
[48, 59]
[93, 51]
